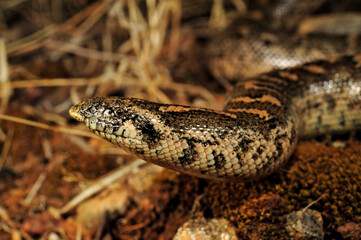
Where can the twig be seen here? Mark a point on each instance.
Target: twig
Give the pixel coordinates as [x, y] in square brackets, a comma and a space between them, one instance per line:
[48, 127]
[313, 202]
[55, 82]
[6, 147]
[4, 76]
[96, 81]
[35, 188]
[100, 184]
[85, 52]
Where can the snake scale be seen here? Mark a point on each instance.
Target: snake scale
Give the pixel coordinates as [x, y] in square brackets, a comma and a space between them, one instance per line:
[255, 134]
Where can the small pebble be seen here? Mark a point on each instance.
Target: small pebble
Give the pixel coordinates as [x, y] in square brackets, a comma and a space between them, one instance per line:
[53, 236]
[305, 224]
[206, 229]
[350, 230]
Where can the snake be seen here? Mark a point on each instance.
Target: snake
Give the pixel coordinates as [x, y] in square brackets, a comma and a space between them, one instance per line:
[249, 47]
[255, 134]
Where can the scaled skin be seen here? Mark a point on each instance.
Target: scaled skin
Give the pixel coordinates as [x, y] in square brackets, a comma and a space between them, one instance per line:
[254, 135]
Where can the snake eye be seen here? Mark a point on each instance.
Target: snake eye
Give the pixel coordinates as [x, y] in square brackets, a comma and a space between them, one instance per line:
[118, 112]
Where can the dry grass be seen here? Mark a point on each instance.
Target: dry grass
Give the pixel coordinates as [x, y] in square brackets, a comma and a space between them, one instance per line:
[54, 53]
[105, 47]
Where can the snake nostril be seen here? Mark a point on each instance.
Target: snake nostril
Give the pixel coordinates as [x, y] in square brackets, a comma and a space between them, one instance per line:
[107, 112]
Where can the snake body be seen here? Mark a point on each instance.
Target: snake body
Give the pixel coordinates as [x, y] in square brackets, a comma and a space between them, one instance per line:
[254, 135]
[248, 48]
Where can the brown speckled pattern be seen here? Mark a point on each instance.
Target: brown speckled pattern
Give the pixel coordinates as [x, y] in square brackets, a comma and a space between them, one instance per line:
[251, 138]
[248, 48]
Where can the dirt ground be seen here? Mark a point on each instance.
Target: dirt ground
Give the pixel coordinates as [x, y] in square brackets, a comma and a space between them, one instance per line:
[55, 53]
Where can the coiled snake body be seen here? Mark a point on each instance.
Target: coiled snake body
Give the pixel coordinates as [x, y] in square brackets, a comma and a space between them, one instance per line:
[257, 131]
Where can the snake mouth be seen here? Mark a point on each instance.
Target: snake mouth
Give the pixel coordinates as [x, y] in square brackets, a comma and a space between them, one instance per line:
[75, 113]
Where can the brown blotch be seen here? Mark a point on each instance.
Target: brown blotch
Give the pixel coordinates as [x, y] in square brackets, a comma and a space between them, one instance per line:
[264, 98]
[288, 75]
[315, 69]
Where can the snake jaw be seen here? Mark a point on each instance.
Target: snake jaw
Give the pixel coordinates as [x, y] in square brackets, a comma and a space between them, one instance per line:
[75, 113]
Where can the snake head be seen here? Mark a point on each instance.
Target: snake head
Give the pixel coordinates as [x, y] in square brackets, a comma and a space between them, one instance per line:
[99, 112]
[128, 122]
